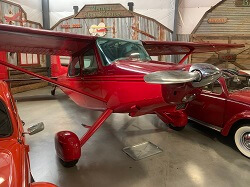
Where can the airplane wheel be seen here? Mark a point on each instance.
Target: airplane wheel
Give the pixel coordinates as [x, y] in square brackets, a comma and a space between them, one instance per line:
[175, 128]
[53, 92]
[68, 164]
[242, 139]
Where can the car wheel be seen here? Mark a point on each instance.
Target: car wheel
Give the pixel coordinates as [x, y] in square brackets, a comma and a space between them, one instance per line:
[68, 164]
[176, 128]
[242, 139]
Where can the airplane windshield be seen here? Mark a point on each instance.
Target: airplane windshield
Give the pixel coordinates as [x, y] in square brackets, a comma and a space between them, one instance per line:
[115, 49]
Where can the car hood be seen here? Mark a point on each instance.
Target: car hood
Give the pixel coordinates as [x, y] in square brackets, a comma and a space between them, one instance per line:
[241, 96]
[145, 67]
[7, 164]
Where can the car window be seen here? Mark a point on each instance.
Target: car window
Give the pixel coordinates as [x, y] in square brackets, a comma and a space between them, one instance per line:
[89, 62]
[74, 67]
[5, 124]
[214, 87]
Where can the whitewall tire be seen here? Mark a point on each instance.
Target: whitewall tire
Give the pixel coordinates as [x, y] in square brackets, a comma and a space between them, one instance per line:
[242, 139]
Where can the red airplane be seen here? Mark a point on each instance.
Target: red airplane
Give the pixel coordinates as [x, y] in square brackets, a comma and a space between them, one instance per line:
[115, 76]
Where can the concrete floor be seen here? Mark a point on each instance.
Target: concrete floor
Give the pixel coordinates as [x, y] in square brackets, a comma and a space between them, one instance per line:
[196, 156]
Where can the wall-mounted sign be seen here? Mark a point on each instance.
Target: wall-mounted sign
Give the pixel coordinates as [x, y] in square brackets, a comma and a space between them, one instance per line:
[242, 3]
[11, 18]
[103, 11]
[100, 30]
[217, 20]
[227, 57]
[72, 26]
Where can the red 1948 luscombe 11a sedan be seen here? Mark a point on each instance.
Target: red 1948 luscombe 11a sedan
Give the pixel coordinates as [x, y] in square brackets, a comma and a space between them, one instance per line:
[14, 158]
[225, 106]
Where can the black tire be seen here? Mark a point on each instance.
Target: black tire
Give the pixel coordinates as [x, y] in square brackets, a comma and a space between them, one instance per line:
[53, 92]
[176, 128]
[68, 164]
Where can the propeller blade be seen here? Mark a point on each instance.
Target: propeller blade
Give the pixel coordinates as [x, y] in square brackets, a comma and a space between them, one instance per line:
[171, 77]
[199, 75]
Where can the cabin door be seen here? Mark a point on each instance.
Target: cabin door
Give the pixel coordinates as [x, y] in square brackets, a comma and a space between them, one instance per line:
[91, 81]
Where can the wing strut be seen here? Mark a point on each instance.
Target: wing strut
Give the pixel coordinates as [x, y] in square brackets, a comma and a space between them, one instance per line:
[186, 56]
[51, 81]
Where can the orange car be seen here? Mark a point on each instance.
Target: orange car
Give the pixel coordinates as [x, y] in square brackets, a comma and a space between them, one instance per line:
[14, 158]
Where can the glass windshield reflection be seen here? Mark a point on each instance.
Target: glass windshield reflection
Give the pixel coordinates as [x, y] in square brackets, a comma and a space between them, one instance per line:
[115, 49]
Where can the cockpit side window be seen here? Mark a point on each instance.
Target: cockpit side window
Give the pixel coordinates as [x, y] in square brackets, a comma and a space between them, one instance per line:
[74, 67]
[5, 123]
[89, 62]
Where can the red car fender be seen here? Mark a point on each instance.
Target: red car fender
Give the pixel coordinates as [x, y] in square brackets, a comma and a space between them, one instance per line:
[233, 120]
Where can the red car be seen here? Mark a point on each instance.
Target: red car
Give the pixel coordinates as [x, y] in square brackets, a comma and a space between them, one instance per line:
[225, 106]
[14, 158]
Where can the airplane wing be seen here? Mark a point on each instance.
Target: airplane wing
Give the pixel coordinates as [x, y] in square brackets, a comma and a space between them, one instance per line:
[156, 48]
[28, 40]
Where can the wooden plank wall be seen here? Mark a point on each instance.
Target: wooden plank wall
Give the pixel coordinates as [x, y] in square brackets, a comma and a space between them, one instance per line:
[242, 54]
[22, 86]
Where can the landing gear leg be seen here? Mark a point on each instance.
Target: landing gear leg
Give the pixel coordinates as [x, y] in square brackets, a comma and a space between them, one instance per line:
[53, 91]
[95, 126]
[68, 146]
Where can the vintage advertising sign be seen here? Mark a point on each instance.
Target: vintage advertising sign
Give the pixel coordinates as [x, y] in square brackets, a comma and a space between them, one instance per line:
[98, 30]
[71, 26]
[227, 57]
[242, 3]
[217, 20]
[103, 11]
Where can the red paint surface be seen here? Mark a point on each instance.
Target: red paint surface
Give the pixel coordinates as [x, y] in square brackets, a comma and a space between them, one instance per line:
[3, 69]
[14, 158]
[178, 118]
[67, 146]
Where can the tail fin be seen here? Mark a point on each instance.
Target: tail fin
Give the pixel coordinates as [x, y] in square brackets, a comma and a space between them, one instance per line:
[56, 67]
[3, 69]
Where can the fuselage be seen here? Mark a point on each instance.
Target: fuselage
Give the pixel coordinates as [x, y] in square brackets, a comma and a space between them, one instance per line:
[121, 83]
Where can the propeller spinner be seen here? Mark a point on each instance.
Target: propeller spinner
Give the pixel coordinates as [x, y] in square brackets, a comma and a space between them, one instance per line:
[199, 75]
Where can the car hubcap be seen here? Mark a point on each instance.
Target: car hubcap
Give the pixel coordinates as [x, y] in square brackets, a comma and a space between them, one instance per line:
[245, 140]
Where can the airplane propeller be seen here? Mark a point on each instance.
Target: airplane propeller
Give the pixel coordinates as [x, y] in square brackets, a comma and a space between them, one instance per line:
[199, 75]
